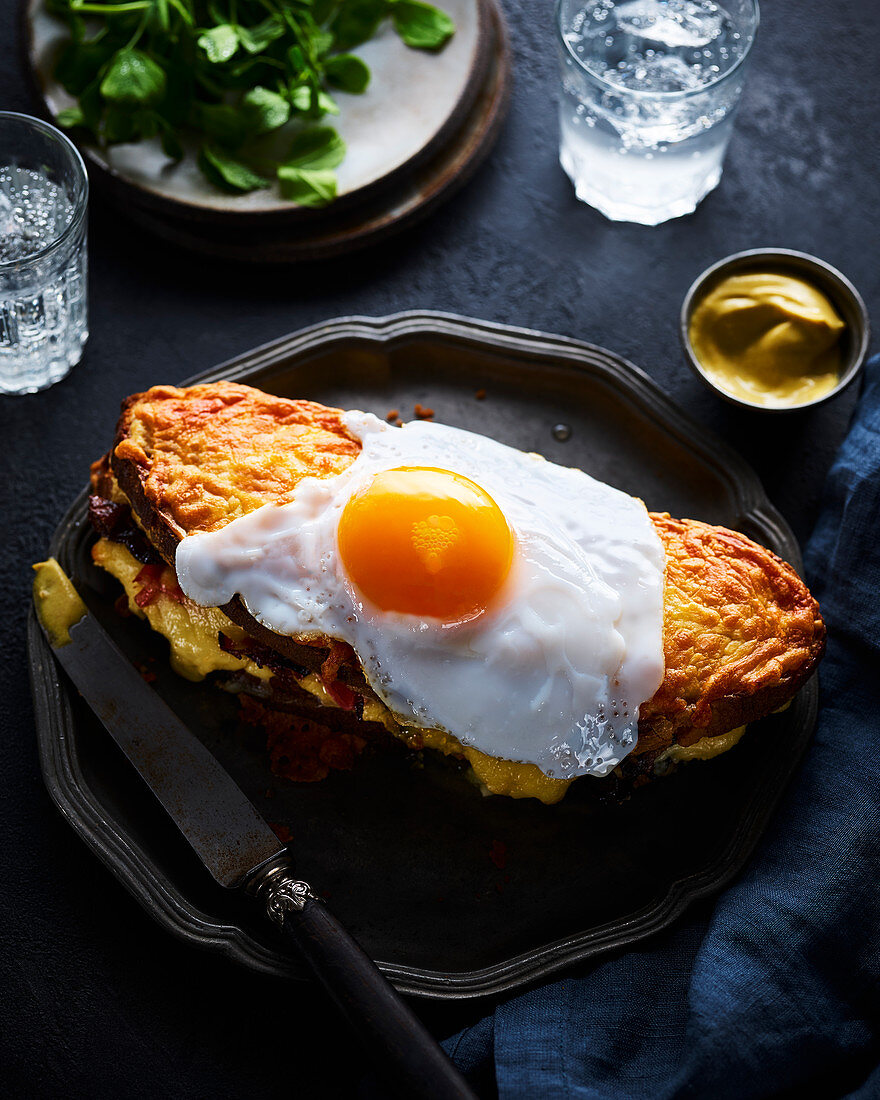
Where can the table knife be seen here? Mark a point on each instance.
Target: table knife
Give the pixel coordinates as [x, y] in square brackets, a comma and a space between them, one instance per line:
[234, 842]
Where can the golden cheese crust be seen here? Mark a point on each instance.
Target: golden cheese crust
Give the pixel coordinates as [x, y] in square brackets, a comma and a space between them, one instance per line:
[741, 631]
[210, 453]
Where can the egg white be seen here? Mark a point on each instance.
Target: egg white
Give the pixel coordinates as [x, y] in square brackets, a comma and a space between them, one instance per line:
[553, 674]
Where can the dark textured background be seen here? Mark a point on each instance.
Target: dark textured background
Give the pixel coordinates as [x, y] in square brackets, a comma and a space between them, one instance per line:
[96, 1000]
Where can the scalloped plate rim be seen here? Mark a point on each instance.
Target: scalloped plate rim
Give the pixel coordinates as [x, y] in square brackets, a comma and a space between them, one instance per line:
[175, 912]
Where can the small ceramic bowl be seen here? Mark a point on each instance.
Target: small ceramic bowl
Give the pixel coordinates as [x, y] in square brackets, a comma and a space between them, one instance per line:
[839, 290]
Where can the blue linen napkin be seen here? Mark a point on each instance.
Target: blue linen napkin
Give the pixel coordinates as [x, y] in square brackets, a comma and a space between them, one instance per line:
[773, 989]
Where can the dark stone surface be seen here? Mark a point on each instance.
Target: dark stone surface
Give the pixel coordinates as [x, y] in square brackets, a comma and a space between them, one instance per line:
[97, 1000]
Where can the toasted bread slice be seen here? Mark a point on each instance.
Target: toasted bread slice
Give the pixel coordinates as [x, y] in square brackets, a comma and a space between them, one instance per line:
[741, 631]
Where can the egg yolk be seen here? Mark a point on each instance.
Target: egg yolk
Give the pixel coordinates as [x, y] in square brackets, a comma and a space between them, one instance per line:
[425, 542]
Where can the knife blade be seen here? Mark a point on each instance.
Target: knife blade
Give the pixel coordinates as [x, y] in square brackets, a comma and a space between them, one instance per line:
[219, 822]
[233, 841]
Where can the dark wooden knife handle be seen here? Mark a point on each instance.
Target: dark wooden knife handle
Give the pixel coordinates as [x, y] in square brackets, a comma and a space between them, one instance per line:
[410, 1060]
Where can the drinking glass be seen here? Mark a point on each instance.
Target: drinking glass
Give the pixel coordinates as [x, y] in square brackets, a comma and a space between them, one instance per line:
[649, 93]
[44, 193]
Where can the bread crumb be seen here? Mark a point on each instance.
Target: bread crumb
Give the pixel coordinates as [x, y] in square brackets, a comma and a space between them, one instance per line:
[480, 395]
[423, 412]
[392, 415]
[498, 854]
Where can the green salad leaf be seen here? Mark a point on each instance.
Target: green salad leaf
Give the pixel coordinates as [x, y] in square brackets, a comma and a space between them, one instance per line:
[355, 21]
[420, 25]
[347, 72]
[320, 147]
[71, 116]
[133, 77]
[243, 81]
[256, 39]
[307, 186]
[227, 173]
[264, 110]
[219, 43]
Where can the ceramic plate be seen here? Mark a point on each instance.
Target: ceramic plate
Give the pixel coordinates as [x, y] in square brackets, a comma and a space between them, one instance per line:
[455, 894]
[320, 234]
[415, 102]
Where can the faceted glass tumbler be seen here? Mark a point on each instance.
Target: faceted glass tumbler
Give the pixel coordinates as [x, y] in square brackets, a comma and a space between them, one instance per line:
[44, 193]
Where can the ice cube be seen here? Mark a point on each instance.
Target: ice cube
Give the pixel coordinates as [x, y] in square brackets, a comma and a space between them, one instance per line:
[671, 24]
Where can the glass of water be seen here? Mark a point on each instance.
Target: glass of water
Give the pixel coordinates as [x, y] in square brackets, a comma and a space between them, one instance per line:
[649, 92]
[44, 194]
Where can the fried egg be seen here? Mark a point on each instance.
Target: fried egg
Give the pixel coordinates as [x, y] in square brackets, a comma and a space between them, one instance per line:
[511, 602]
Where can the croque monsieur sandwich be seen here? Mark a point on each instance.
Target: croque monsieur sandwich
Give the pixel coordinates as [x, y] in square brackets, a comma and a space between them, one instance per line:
[357, 582]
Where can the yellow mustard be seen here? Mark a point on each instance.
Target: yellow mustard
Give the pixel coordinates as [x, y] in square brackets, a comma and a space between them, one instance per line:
[768, 338]
[58, 603]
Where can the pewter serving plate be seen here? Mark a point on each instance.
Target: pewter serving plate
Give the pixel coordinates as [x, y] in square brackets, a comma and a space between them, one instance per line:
[455, 894]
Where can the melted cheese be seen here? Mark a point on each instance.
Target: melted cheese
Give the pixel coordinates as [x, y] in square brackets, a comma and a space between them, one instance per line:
[494, 776]
[704, 749]
[192, 633]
